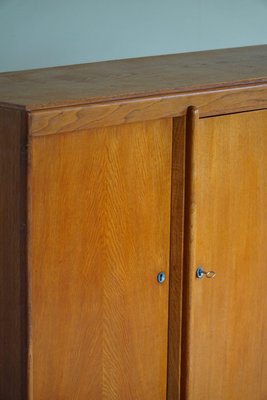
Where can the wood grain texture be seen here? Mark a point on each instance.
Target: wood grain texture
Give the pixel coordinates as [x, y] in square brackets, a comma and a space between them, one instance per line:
[227, 315]
[134, 78]
[100, 233]
[13, 299]
[210, 102]
[176, 259]
[192, 122]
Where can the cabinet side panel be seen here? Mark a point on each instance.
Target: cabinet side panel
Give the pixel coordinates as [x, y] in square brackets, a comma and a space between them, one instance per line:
[100, 235]
[12, 256]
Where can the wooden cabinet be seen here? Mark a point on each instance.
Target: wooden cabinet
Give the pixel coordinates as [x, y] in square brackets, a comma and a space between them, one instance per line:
[118, 181]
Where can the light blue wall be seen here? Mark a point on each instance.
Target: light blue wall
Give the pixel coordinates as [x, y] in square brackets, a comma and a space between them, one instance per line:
[36, 33]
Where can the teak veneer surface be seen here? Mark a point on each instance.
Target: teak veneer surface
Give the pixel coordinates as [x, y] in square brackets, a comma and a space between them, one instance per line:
[100, 233]
[225, 351]
[133, 78]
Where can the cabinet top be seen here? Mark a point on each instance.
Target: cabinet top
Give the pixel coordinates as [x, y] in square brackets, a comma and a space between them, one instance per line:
[133, 78]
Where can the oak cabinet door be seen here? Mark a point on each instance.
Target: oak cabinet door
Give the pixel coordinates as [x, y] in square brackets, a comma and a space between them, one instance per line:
[225, 356]
[99, 229]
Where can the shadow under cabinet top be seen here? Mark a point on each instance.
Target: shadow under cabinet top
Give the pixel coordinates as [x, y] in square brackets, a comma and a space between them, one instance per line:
[133, 78]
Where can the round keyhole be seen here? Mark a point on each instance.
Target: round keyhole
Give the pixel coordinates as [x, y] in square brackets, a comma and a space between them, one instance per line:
[161, 277]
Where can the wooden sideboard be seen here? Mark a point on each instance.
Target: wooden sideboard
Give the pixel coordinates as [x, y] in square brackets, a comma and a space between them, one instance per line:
[125, 187]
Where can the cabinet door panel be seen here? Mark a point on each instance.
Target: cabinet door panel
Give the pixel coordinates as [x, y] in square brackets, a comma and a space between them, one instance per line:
[99, 228]
[226, 332]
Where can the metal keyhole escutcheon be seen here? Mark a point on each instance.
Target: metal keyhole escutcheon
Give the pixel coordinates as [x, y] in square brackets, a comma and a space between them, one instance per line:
[200, 273]
[161, 277]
